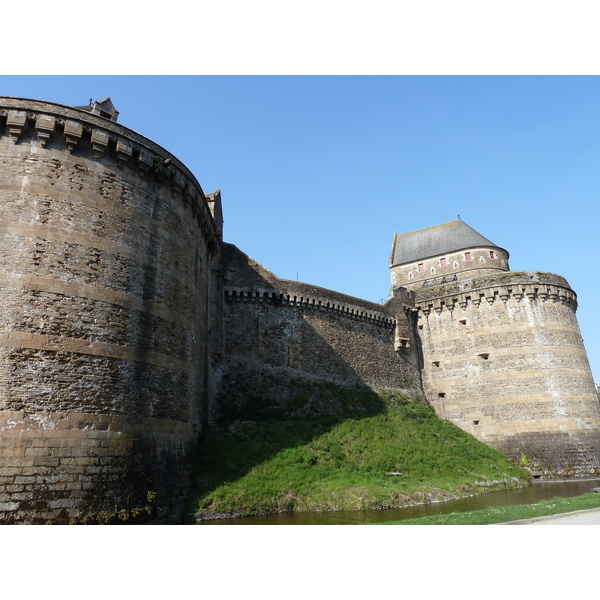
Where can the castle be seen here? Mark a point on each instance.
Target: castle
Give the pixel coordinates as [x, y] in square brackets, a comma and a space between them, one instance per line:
[127, 323]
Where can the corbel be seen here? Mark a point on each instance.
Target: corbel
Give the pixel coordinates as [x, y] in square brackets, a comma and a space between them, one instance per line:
[73, 133]
[145, 162]
[44, 126]
[124, 153]
[99, 143]
[16, 123]
[531, 293]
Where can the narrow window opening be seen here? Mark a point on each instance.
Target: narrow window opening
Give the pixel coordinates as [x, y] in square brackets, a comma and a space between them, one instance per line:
[442, 262]
[436, 363]
[492, 254]
[421, 267]
[463, 322]
[475, 422]
[420, 326]
[442, 395]
[484, 355]
[467, 256]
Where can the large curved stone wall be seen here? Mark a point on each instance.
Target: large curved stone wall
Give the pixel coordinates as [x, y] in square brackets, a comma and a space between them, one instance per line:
[106, 243]
[504, 360]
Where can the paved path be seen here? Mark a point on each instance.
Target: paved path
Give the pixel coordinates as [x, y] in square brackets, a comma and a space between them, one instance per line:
[580, 517]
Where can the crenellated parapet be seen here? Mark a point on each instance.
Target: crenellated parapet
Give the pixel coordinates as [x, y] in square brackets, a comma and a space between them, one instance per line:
[518, 286]
[53, 126]
[247, 281]
[321, 303]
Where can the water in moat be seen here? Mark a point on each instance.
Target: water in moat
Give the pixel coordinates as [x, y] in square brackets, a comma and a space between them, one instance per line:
[538, 490]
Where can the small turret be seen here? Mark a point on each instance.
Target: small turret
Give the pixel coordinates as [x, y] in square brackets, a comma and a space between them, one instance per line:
[103, 108]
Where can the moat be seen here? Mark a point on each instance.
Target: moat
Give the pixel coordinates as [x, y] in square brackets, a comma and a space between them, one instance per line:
[538, 490]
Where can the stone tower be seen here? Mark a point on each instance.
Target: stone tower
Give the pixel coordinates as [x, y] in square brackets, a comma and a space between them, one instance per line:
[441, 254]
[107, 245]
[502, 353]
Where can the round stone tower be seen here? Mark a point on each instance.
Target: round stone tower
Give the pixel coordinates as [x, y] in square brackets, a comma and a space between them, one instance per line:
[503, 357]
[106, 243]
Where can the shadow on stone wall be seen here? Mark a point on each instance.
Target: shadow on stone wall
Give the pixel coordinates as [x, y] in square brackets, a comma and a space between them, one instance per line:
[315, 331]
[265, 411]
[293, 370]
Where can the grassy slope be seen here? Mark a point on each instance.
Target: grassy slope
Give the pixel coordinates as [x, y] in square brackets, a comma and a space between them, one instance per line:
[264, 460]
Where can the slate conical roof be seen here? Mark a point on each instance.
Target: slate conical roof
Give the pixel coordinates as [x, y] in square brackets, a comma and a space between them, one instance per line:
[435, 241]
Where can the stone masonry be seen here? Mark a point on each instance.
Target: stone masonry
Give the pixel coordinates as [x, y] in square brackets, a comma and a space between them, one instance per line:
[503, 356]
[107, 244]
[299, 330]
[123, 314]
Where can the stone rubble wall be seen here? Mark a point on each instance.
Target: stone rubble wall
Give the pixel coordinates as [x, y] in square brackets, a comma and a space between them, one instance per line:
[67, 467]
[312, 331]
[107, 248]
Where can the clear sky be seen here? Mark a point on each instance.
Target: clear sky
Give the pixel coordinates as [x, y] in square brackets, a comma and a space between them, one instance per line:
[317, 173]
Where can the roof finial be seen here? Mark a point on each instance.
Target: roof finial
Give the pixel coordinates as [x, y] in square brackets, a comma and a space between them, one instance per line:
[459, 217]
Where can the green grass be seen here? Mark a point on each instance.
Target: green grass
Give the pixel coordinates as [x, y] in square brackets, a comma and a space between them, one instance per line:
[504, 514]
[273, 461]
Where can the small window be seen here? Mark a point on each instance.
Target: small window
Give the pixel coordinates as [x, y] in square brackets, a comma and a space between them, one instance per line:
[435, 363]
[492, 254]
[463, 321]
[442, 395]
[442, 262]
[484, 355]
[421, 267]
[410, 275]
[475, 422]
[467, 256]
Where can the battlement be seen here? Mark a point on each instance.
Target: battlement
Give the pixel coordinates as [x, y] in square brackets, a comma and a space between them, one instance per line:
[84, 134]
[519, 286]
[291, 297]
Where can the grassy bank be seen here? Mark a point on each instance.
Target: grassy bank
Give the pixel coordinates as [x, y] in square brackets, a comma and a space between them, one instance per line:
[382, 451]
[503, 514]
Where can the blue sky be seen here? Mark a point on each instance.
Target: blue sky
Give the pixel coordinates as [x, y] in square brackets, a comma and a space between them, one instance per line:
[317, 173]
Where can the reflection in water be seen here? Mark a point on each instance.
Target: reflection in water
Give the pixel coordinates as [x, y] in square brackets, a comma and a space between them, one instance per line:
[538, 490]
